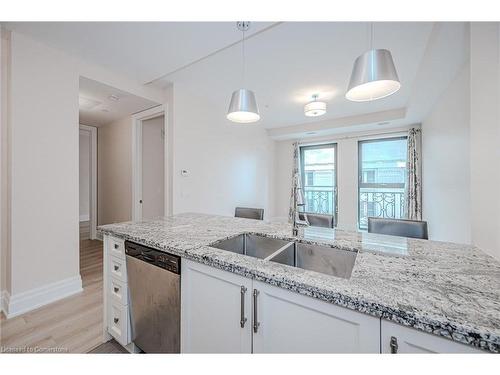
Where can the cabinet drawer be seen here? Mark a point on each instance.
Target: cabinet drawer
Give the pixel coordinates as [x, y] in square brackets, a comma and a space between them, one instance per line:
[118, 291]
[118, 324]
[118, 268]
[116, 247]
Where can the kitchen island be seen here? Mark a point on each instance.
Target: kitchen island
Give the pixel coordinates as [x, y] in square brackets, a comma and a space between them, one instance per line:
[444, 289]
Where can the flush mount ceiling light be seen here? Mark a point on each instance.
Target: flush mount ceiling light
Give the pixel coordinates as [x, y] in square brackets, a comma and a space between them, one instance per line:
[87, 103]
[373, 76]
[315, 108]
[114, 97]
[243, 106]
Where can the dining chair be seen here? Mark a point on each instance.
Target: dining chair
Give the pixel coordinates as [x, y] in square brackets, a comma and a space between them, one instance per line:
[318, 220]
[398, 227]
[249, 213]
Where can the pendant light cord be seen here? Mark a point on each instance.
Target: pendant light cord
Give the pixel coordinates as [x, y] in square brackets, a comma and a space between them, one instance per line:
[243, 58]
[371, 36]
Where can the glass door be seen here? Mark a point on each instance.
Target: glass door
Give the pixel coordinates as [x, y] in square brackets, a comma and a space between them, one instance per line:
[319, 179]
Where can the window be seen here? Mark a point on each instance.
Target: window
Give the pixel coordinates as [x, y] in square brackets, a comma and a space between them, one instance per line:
[382, 179]
[319, 179]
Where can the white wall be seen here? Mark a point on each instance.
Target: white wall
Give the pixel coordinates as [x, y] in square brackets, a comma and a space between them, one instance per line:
[153, 168]
[44, 160]
[229, 164]
[347, 178]
[446, 164]
[114, 166]
[485, 136]
[43, 182]
[84, 174]
[4, 165]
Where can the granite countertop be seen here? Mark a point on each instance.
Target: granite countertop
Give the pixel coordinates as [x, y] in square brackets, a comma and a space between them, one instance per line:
[443, 288]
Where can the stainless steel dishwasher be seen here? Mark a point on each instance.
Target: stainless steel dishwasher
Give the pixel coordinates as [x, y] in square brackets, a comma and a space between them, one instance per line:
[154, 280]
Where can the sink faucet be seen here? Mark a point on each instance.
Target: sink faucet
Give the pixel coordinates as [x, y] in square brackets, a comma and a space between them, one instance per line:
[297, 221]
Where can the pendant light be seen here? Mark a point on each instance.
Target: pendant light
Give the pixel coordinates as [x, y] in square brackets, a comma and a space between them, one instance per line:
[373, 76]
[243, 107]
[315, 108]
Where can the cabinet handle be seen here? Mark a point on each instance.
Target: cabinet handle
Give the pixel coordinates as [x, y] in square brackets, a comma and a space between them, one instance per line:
[117, 268]
[116, 246]
[256, 323]
[116, 320]
[243, 319]
[116, 289]
[394, 345]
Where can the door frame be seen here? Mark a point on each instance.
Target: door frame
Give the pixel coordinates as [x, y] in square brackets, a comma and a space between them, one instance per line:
[93, 179]
[137, 120]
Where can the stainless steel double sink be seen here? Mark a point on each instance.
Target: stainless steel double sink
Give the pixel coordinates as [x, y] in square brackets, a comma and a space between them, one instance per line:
[323, 259]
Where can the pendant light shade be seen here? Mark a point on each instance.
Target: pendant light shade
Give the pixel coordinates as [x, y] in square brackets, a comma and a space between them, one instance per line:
[373, 77]
[243, 107]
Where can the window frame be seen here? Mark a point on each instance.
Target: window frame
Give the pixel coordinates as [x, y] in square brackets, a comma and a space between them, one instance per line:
[333, 145]
[360, 175]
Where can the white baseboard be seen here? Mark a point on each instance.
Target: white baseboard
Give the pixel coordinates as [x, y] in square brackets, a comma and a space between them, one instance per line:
[4, 297]
[21, 303]
[84, 217]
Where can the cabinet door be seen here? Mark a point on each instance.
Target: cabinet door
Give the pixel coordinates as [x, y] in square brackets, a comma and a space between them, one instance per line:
[291, 323]
[400, 339]
[212, 302]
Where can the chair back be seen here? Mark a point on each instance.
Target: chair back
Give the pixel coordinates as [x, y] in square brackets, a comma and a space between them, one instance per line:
[398, 227]
[249, 213]
[318, 220]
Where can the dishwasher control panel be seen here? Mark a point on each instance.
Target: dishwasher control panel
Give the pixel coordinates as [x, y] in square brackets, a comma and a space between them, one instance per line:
[155, 257]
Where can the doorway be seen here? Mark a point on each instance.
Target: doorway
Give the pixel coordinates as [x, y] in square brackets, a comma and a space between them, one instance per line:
[88, 181]
[153, 168]
[150, 147]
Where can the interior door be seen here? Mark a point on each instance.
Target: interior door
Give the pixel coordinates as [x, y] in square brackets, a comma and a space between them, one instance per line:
[153, 168]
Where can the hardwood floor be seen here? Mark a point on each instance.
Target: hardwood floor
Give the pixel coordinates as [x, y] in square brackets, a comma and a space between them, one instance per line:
[84, 230]
[71, 325]
[110, 347]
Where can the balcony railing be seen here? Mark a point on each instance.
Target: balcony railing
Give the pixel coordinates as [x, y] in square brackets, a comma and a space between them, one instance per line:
[319, 199]
[379, 203]
[373, 202]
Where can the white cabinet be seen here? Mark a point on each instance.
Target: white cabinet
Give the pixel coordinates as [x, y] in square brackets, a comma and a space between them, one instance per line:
[116, 314]
[213, 306]
[400, 339]
[213, 303]
[293, 323]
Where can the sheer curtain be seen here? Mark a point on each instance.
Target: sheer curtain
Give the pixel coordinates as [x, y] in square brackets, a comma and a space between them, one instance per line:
[413, 193]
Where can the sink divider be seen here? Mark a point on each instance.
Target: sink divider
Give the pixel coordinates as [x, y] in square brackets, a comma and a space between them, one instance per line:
[280, 250]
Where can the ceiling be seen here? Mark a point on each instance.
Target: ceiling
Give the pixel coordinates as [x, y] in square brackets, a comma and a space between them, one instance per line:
[289, 63]
[141, 50]
[286, 62]
[101, 104]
